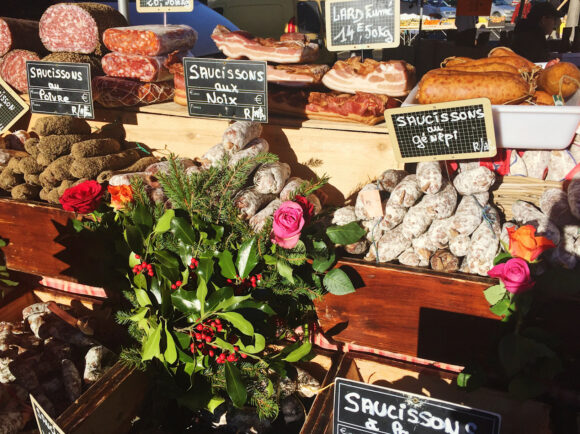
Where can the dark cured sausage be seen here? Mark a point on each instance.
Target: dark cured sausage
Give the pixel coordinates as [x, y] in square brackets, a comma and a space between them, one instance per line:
[119, 92]
[13, 68]
[144, 68]
[77, 27]
[500, 87]
[19, 34]
[150, 40]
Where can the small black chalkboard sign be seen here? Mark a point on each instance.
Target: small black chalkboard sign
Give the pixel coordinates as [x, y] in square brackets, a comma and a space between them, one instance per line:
[145, 6]
[12, 107]
[60, 88]
[227, 89]
[366, 408]
[457, 130]
[45, 424]
[362, 24]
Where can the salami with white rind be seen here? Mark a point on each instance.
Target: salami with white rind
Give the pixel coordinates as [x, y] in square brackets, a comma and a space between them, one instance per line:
[255, 147]
[467, 216]
[343, 216]
[258, 221]
[78, 27]
[291, 187]
[392, 244]
[517, 165]
[390, 178]
[484, 245]
[406, 193]
[478, 180]
[459, 245]
[271, 178]
[416, 221]
[536, 163]
[249, 202]
[394, 215]
[441, 204]
[239, 134]
[554, 204]
[527, 214]
[212, 157]
[561, 163]
[438, 232]
[429, 177]
[410, 258]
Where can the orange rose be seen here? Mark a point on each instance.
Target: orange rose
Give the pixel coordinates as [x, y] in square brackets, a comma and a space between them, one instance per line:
[524, 243]
[121, 195]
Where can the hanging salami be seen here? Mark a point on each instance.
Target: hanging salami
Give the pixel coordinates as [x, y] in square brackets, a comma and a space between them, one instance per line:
[150, 40]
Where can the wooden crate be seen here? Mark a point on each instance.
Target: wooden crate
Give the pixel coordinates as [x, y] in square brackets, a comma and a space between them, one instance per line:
[530, 417]
[110, 404]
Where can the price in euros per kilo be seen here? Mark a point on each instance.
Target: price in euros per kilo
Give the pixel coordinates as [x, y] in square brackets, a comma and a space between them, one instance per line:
[367, 32]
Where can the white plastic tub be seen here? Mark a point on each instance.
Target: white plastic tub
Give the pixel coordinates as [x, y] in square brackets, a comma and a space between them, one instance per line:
[531, 127]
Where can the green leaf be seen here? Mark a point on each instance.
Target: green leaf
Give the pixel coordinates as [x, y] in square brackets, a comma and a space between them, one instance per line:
[214, 403]
[234, 385]
[502, 257]
[170, 353]
[151, 345]
[183, 231]
[221, 297]
[220, 343]
[9, 282]
[133, 260]
[142, 217]
[253, 304]
[142, 297]
[516, 352]
[501, 308]
[202, 294]
[186, 301]
[285, 270]
[337, 282]
[247, 257]
[346, 234]
[259, 344]
[218, 233]
[270, 388]
[239, 322]
[226, 263]
[205, 267]
[134, 239]
[198, 396]
[495, 294]
[167, 260]
[140, 280]
[3, 242]
[164, 222]
[321, 264]
[302, 351]
[270, 260]
[140, 314]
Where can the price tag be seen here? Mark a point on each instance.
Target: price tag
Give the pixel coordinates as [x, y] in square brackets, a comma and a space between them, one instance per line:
[474, 8]
[45, 424]
[145, 6]
[457, 130]
[60, 88]
[228, 89]
[12, 107]
[362, 24]
[372, 203]
[361, 408]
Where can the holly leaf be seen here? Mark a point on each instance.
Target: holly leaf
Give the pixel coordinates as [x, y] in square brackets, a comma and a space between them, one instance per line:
[259, 344]
[170, 353]
[205, 267]
[247, 257]
[495, 294]
[201, 294]
[219, 298]
[183, 231]
[151, 345]
[186, 301]
[345, 234]
[214, 403]
[253, 304]
[142, 297]
[299, 353]
[337, 282]
[226, 263]
[134, 239]
[239, 322]
[142, 217]
[164, 223]
[234, 385]
[285, 270]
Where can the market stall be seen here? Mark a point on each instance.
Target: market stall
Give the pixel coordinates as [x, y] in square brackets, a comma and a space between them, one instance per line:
[259, 226]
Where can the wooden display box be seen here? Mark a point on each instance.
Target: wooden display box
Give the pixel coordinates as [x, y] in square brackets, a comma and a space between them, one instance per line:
[110, 404]
[530, 417]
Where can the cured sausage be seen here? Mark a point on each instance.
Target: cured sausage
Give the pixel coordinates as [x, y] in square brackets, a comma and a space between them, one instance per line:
[486, 67]
[120, 92]
[517, 62]
[18, 33]
[13, 68]
[549, 79]
[150, 40]
[499, 87]
[93, 61]
[78, 27]
[239, 134]
[143, 68]
[60, 125]
[504, 51]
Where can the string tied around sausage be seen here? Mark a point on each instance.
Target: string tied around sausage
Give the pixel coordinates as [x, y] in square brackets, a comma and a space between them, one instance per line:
[486, 214]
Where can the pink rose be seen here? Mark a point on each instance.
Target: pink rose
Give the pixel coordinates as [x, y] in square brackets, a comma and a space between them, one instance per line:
[515, 275]
[288, 222]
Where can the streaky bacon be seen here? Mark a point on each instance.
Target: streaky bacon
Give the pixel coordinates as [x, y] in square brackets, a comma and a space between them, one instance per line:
[392, 78]
[296, 75]
[291, 48]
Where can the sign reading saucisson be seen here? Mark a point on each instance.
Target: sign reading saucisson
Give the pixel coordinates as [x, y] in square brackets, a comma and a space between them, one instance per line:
[361, 408]
[145, 6]
[227, 89]
[12, 107]
[45, 424]
[60, 88]
[362, 24]
[457, 130]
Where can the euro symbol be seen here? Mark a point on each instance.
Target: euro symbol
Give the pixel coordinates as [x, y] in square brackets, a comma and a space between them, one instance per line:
[85, 97]
[258, 99]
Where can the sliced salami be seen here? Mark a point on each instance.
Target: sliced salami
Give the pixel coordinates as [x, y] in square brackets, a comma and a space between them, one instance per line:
[13, 68]
[78, 27]
[19, 34]
[150, 40]
[144, 68]
[120, 92]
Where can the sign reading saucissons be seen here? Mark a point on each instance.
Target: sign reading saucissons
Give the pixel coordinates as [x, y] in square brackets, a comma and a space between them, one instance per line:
[12, 107]
[145, 6]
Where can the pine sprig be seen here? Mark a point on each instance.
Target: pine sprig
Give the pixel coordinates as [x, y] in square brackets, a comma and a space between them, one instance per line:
[309, 187]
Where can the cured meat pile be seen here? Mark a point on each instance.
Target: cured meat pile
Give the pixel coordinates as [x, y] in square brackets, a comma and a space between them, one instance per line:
[45, 356]
[428, 221]
[138, 66]
[62, 152]
[70, 29]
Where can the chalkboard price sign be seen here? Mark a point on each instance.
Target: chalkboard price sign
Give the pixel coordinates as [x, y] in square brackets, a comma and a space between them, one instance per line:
[362, 24]
[457, 130]
[227, 89]
[60, 88]
[364, 408]
[45, 424]
[12, 107]
[145, 6]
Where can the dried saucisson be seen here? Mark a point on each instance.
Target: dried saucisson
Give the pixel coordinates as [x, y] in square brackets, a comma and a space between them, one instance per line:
[150, 40]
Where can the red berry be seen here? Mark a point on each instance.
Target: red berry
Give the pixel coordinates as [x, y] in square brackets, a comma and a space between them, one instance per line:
[231, 358]
[213, 323]
[178, 283]
[219, 328]
[208, 339]
[218, 321]
[150, 274]
[236, 348]
[211, 353]
[198, 336]
[173, 287]
[243, 356]
[137, 257]
[199, 327]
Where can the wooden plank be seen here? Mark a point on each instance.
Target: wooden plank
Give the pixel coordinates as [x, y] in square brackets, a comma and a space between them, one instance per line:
[404, 310]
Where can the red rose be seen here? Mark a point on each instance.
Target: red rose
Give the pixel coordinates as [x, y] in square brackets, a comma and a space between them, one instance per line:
[307, 207]
[83, 198]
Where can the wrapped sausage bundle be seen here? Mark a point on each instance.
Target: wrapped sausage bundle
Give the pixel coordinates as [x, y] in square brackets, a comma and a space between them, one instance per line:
[478, 180]
[119, 92]
[363, 212]
[527, 214]
[484, 244]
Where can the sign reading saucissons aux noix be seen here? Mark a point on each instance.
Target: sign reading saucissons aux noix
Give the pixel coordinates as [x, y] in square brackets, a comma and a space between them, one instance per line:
[145, 6]
[457, 130]
[12, 107]
[365, 408]
[227, 89]
[60, 88]
[362, 24]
